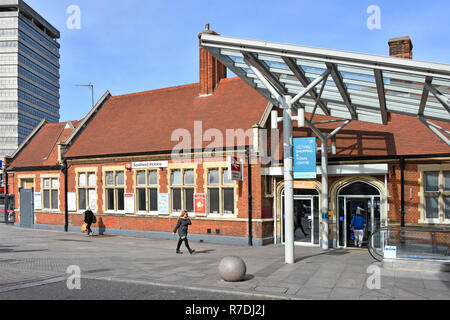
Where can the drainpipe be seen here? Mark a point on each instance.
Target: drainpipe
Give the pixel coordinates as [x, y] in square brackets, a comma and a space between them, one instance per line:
[66, 205]
[402, 168]
[250, 199]
[5, 180]
[275, 210]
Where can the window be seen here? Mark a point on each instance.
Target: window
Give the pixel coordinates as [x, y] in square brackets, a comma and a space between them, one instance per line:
[50, 190]
[436, 196]
[87, 193]
[182, 189]
[221, 191]
[115, 191]
[147, 191]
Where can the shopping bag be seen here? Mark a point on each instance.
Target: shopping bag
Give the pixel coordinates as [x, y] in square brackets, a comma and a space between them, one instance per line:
[84, 227]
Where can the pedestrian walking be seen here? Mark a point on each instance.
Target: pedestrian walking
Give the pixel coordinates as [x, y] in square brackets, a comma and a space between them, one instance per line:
[89, 219]
[182, 227]
[358, 225]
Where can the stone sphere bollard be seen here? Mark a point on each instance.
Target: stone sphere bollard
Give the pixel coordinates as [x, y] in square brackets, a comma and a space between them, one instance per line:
[232, 269]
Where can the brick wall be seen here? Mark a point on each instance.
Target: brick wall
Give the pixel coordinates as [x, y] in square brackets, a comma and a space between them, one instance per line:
[412, 198]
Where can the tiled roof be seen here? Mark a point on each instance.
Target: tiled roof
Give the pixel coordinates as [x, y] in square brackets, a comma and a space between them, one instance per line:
[42, 150]
[402, 136]
[144, 122]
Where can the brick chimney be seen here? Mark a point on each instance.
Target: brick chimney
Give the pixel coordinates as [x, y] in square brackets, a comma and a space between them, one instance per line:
[401, 47]
[211, 69]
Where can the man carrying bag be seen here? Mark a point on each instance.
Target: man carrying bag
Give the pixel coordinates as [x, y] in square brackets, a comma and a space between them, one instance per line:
[89, 219]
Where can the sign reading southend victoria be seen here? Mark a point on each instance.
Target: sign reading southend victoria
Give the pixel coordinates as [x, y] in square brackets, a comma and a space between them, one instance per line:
[305, 158]
[147, 165]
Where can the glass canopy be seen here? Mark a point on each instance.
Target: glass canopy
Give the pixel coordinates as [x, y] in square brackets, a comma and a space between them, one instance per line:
[355, 86]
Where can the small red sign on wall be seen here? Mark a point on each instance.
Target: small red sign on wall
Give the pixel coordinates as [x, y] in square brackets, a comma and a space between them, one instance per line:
[129, 166]
[235, 166]
[200, 203]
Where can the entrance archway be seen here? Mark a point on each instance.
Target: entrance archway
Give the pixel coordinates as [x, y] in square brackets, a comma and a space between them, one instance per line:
[350, 196]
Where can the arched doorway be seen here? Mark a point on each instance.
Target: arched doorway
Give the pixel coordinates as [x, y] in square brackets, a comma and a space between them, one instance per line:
[351, 196]
[306, 217]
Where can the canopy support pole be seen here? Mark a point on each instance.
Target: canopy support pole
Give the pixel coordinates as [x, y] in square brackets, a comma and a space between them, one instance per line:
[288, 180]
[324, 166]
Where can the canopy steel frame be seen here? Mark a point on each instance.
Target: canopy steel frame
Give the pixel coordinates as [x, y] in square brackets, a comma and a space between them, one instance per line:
[436, 130]
[439, 96]
[287, 102]
[300, 74]
[342, 89]
[370, 87]
[381, 95]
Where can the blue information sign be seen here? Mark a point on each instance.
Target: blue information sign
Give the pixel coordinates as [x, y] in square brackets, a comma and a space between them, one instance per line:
[305, 158]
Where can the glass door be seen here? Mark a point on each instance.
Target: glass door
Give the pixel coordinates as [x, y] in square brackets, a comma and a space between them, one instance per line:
[351, 205]
[350, 197]
[306, 220]
[303, 220]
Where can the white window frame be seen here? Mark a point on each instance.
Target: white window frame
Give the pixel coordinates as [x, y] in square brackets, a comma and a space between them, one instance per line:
[182, 187]
[440, 194]
[221, 187]
[147, 187]
[50, 189]
[87, 188]
[115, 187]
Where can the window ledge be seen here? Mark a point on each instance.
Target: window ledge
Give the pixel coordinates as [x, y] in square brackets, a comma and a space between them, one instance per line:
[228, 216]
[434, 221]
[47, 211]
[116, 212]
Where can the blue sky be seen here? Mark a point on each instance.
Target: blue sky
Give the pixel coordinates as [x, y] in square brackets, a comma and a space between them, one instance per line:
[138, 45]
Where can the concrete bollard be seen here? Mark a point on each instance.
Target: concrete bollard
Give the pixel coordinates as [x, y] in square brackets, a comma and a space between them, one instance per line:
[232, 269]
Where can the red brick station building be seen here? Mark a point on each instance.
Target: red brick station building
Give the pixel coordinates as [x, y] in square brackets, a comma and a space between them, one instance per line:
[119, 161]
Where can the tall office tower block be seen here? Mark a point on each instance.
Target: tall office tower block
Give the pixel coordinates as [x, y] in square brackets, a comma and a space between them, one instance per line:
[29, 73]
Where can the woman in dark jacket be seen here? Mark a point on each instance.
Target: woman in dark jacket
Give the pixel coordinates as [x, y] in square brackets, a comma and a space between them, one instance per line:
[182, 226]
[89, 219]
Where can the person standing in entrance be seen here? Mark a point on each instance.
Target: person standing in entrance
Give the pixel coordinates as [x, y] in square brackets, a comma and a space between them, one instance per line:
[89, 219]
[358, 225]
[182, 227]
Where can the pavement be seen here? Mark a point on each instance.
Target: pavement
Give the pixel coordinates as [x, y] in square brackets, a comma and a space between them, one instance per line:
[37, 257]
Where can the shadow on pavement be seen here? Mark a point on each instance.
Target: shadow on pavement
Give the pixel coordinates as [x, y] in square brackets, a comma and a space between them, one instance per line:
[20, 251]
[205, 251]
[326, 253]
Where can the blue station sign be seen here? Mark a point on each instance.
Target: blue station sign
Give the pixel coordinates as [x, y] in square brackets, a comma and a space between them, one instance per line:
[305, 158]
